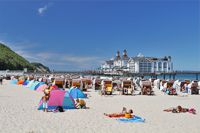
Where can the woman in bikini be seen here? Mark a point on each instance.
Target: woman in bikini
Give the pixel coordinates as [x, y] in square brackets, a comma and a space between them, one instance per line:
[124, 113]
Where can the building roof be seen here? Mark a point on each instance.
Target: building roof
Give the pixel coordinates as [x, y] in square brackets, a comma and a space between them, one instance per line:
[139, 59]
[148, 59]
[109, 62]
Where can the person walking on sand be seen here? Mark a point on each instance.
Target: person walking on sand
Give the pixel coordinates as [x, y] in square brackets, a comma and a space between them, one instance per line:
[93, 83]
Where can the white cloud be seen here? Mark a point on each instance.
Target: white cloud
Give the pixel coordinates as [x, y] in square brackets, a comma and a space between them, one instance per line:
[56, 61]
[43, 9]
[74, 62]
[45, 55]
[79, 59]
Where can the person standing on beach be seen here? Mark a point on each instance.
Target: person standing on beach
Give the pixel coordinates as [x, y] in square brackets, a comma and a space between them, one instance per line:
[93, 83]
[45, 99]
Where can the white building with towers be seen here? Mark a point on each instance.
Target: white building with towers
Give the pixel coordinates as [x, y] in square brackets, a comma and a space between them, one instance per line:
[138, 64]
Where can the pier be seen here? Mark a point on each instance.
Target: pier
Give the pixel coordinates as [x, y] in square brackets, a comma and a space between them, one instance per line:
[171, 75]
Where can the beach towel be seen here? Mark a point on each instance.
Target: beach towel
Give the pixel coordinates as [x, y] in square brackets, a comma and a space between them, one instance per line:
[134, 119]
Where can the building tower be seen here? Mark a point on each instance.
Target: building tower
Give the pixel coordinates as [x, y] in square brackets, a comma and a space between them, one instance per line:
[125, 54]
[118, 56]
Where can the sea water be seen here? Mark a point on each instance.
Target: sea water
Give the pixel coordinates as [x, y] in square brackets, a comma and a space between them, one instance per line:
[178, 77]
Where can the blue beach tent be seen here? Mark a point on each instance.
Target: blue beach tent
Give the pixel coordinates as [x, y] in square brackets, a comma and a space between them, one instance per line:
[38, 85]
[32, 87]
[76, 93]
[26, 82]
[14, 81]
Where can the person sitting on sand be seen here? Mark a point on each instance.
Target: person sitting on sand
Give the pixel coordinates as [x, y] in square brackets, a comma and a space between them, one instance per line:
[180, 109]
[124, 113]
[129, 114]
[80, 104]
[45, 99]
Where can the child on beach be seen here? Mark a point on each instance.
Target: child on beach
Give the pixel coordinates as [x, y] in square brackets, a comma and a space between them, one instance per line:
[80, 104]
[45, 99]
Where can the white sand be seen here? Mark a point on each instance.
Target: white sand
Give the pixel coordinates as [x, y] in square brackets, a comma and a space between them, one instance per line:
[18, 113]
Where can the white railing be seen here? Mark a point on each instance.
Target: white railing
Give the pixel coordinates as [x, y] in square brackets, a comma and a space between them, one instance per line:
[12, 72]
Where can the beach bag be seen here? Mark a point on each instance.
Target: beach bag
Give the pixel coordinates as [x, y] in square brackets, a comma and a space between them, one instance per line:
[60, 109]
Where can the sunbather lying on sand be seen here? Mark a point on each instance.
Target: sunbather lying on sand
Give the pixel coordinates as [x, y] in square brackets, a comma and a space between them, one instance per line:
[124, 113]
[180, 109]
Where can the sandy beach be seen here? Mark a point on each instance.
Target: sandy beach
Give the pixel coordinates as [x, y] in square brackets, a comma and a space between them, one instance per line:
[18, 113]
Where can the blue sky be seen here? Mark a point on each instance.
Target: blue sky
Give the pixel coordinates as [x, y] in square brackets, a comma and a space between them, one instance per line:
[81, 34]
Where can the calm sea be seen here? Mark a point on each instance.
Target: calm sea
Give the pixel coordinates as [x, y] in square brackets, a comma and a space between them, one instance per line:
[177, 77]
